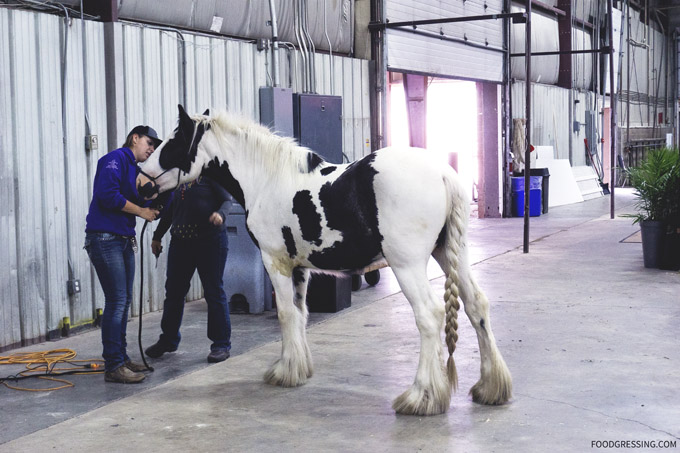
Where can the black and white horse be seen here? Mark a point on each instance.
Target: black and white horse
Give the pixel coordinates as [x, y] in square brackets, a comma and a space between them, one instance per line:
[395, 205]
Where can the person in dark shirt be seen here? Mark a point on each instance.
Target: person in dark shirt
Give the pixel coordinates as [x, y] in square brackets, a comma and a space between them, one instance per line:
[111, 244]
[196, 216]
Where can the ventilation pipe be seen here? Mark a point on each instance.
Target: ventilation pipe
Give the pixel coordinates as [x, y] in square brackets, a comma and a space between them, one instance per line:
[275, 43]
[312, 49]
[299, 35]
[330, 45]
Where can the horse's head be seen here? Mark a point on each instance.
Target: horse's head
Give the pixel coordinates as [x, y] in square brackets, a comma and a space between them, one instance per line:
[178, 160]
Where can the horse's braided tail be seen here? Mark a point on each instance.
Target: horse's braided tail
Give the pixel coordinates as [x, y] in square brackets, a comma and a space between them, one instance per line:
[455, 237]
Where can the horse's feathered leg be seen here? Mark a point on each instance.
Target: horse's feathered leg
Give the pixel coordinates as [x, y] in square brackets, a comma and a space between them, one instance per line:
[300, 283]
[495, 383]
[430, 393]
[295, 364]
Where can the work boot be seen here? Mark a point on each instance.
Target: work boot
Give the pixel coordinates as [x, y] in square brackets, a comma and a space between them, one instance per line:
[218, 355]
[136, 367]
[123, 375]
[156, 350]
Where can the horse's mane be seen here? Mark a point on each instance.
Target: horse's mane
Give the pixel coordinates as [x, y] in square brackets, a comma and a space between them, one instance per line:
[271, 152]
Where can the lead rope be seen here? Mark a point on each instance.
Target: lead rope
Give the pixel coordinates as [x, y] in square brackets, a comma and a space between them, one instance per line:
[141, 294]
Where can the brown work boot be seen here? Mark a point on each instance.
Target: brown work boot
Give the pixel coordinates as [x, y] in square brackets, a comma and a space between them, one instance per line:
[136, 367]
[123, 375]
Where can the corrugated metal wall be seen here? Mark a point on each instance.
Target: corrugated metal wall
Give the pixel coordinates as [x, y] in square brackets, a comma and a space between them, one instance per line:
[46, 174]
[544, 38]
[648, 67]
[411, 52]
[46, 170]
[550, 118]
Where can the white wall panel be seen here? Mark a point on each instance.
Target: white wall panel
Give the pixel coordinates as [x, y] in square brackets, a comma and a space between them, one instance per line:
[413, 53]
[550, 118]
[582, 64]
[218, 74]
[54, 177]
[31, 257]
[234, 76]
[91, 296]
[10, 320]
[407, 51]
[201, 69]
[544, 38]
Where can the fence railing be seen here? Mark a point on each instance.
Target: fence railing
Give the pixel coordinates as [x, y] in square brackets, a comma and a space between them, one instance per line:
[635, 150]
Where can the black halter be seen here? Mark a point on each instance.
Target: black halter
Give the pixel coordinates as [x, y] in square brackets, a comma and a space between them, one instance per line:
[148, 190]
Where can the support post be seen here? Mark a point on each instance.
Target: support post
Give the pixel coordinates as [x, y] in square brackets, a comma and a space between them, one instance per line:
[527, 153]
[487, 139]
[612, 109]
[415, 88]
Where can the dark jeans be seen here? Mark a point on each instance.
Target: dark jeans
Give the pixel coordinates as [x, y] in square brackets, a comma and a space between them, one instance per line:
[208, 254]
[114, 261]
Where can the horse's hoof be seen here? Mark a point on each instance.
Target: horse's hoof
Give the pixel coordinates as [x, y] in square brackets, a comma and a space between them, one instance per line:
[491, 395]
[287, 376]
[416, 401]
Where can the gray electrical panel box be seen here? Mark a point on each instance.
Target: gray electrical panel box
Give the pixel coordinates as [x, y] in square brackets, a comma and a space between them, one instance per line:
[591, 130]
[318, 124]
[276, 109]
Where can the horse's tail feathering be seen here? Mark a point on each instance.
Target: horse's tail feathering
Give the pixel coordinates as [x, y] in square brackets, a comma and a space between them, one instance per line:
[456, 224]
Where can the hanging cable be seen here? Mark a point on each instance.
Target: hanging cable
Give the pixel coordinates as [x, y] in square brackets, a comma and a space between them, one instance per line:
[141, 295]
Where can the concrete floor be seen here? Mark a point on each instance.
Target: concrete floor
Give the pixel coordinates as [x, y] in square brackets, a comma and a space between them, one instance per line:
[588, 333]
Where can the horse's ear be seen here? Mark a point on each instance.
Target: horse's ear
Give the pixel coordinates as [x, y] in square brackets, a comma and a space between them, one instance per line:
[207, 112]
[186, 124]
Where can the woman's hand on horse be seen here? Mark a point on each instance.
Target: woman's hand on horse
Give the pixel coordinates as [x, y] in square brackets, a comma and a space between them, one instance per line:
[156, 248]
[149, 214]
[216, 219]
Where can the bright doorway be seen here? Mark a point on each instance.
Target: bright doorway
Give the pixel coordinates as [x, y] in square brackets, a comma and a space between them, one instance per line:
[451, 125]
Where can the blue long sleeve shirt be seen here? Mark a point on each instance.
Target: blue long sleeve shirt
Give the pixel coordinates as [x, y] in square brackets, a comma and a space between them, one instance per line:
[114, 184]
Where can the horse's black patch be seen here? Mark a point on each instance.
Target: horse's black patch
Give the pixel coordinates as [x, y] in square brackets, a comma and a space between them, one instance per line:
[180, 151]
[289, 241]
[328, 170]
[309, 219]
[298, 277]
[313, 161]
[250, 233]
[350, 207]
[221, 174]
[482, 324]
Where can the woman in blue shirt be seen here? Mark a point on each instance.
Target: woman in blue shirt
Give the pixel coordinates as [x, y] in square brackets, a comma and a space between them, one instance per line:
[110, 243]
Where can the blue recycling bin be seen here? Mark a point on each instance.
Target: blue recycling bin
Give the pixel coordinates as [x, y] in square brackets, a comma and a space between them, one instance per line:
[535, 204]
[246, 282]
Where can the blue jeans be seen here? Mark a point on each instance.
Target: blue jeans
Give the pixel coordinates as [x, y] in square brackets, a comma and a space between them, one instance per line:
[208, 254]
[114, 260]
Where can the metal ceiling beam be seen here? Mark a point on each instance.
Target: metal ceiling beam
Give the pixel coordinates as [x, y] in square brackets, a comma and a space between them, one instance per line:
[517, 18]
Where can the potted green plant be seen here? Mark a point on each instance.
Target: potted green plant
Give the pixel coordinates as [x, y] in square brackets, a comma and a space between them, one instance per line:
[657, 188]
